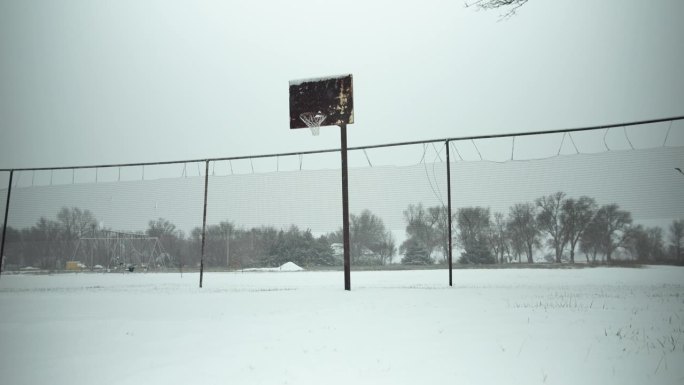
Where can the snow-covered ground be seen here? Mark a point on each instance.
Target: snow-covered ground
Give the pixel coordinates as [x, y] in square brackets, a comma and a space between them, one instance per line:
[582, 326]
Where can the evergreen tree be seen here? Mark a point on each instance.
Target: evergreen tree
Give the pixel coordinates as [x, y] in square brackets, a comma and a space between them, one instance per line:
[416, 254]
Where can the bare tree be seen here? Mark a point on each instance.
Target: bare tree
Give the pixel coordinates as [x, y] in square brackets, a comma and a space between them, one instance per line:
[575, 217]
[511, 5]
[75, 223]
[160, 228]
[676, 238]
[47, 232]
[549, 221]
[517, 244]
[387, 248]
[655, 237]
[591, 240]
[647, 243]
[499, 237]
[439, 221]
[170, 237]
[423, 226]
[610, 229]
[473, 225]
[522, 226]
[368, 234]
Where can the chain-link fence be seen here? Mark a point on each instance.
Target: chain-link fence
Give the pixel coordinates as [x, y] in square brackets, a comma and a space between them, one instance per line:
[568, 196]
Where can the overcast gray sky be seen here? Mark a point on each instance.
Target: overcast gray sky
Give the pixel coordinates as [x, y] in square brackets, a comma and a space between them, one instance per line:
[87, 82]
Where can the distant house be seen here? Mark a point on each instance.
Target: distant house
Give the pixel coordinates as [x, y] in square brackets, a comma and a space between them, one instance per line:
[338, 252]
[338, 249]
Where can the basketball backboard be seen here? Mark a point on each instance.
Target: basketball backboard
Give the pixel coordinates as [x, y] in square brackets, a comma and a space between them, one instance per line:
[327, 100]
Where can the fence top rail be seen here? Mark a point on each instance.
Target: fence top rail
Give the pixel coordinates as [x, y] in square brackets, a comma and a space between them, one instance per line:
[450, 139]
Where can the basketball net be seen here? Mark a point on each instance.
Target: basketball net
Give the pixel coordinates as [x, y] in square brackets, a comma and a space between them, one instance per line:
[313, 120]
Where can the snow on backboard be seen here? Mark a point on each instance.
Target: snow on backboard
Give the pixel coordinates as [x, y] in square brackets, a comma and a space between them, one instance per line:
[332, 96]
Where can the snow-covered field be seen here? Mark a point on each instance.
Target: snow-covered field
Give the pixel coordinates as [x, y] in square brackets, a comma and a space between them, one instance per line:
[579, 326]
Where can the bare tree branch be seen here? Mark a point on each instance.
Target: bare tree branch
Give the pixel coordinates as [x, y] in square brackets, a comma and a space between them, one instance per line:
[511, 5]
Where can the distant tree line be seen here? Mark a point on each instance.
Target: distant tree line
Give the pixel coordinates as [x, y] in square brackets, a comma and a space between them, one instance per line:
[555, 227]
[49, 242]
[559, 227]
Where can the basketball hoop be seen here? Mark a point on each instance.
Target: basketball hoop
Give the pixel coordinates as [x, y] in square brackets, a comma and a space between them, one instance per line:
[313, 120]
[332, 101]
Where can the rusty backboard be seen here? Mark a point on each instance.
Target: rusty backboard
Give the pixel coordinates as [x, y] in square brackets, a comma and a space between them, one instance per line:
[331, 96]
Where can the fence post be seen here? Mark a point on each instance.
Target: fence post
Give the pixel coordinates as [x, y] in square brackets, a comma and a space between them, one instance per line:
[345, 208]
[4, 224]
[204, 220]
[449, 210]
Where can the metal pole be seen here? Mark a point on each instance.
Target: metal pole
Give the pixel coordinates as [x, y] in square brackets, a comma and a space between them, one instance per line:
[449, 210]
[345, 209]
[4, 224]
[204, 220]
